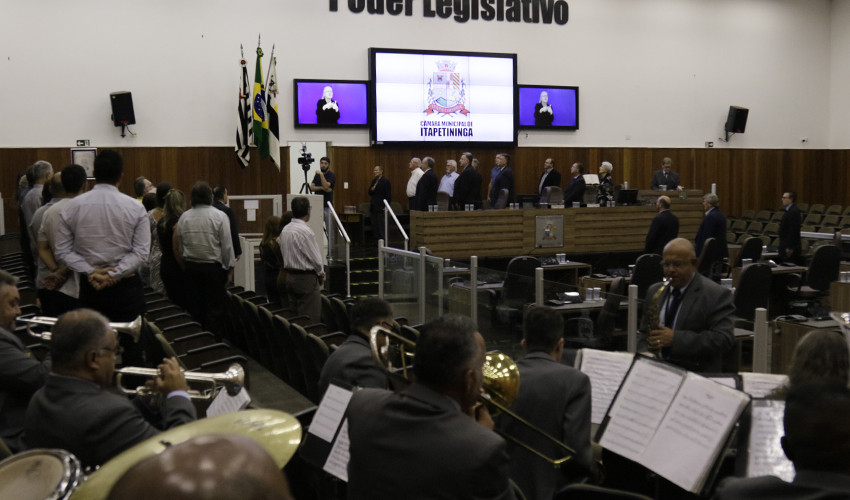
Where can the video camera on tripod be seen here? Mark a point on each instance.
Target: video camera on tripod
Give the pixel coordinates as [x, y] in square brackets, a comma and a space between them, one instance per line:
[305, 161]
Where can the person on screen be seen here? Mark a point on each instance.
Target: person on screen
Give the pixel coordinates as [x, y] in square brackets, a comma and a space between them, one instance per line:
[543, 114]
[327, 110]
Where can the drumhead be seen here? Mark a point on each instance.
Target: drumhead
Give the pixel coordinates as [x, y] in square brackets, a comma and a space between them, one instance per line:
[39, 475]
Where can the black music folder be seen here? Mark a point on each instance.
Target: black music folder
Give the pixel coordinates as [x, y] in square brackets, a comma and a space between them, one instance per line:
[673, 422]
[325, 444]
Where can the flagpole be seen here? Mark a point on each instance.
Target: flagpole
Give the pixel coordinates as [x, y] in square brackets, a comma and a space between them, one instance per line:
[268, 73]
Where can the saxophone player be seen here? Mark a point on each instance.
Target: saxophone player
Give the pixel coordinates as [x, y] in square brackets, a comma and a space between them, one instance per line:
[694, 325]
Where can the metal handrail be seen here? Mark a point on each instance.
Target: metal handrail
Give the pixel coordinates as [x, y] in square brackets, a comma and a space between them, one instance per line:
[389, 210]
[347, 249]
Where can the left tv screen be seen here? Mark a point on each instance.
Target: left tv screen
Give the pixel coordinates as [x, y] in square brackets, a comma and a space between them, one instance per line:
[331, 103]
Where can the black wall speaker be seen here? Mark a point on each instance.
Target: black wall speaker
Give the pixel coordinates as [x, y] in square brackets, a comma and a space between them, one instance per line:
[737, 120]
[122, 108]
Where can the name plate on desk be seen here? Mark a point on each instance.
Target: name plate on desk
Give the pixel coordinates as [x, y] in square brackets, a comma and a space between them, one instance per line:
[549, 231]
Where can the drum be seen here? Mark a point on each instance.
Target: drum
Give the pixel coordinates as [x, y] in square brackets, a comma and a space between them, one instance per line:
[40, 475]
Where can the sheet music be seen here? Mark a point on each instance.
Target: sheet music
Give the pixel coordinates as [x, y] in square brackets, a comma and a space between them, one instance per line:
[759, 385]
[694, 428]
[331, 410]
[636, 413]
[337, 462]
[225, 403]
[764, 451]
[606, 371]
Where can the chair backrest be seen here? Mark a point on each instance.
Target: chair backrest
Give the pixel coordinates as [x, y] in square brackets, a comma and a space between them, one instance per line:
[833, 210]
[817, 208]
[804, 207]
[826, 262]
[771, 229]
[519, 279]
[603, 329]
[501, 199]
[763, 216]
[396, 206]
[739, 226]
[755, 227]
[812, 219]
[648, 271]
[443, 201]
[363, 208]
[753, 290]
[748, 214]
[710, 254]
[751, 249]
[552, 195]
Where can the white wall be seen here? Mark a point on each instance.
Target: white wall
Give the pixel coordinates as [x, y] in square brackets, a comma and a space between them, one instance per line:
[662, 72]
[839, 97]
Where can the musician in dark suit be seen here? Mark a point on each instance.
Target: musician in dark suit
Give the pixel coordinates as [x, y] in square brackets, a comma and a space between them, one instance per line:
[352, 361]
[666, 177]
[664, 227]
[467, 184]
[694, 313]
[426, 188]
[379, 190]
[576, 186]
[431, 441]
[816, 440]
[555, 398]
[20, 373]
[75, 412]
[713, 225]
[790, 245]
[505, 180]
[549, 177]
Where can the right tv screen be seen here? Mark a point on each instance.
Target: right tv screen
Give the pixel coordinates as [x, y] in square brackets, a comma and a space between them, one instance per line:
[548, 107]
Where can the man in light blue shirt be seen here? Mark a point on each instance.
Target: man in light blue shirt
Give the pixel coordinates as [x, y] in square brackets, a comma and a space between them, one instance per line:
[447, 183]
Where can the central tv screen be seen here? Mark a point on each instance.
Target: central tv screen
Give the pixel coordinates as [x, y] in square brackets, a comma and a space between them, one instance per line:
[442, 97]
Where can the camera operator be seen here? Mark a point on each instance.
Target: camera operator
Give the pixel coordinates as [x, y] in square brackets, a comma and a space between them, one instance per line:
[323, 184]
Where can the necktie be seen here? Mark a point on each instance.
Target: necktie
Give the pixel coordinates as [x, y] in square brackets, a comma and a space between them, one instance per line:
[672, 308]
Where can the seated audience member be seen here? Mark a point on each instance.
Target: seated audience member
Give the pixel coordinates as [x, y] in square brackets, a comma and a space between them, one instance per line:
[553, 397]
[75, 411]
[207, 467]
[20, 373]
[430, 441]
[352, 362]
[820, 355]
[694, 313]
[817, 441]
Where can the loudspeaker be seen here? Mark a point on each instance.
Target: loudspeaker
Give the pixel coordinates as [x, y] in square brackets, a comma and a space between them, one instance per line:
[122, 108]
[737, 120]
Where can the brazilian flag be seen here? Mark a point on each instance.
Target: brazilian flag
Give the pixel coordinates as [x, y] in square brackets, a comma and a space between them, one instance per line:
[261, 118]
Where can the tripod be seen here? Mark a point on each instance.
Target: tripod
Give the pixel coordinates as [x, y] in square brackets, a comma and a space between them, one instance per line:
[305, 188]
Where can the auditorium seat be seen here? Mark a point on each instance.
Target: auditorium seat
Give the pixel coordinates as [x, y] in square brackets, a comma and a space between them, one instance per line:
[804, 207]
[751, 249]
[817, 208]
[755, 228]
[753, 291]
[501, 199]
[583, 491]
[771, 229]
[443, 201]
[763, 216]
[777, 216]
[823, 270]
[748, 215]
[739, 226]
[648, 271]
[828, 223]
[833, 210]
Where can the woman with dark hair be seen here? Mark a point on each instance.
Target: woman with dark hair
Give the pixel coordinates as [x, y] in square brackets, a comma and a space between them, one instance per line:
[169, 270]
[271, 258]
[283, 297]
[821, 355]
[155, 213]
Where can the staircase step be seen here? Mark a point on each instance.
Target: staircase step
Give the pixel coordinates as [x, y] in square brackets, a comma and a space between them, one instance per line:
[367, 263]
[369, 288]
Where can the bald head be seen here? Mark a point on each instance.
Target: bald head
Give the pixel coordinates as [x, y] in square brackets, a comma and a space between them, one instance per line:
[663, 202]
[208, 467]
[680, 262]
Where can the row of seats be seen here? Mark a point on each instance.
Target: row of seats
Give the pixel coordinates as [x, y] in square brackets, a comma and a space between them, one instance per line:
[815, 209]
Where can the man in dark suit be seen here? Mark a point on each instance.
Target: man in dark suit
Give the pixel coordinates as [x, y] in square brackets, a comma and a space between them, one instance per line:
[74, 412]
[352, 361]
[505, 180]
[379, 190]
[467, 185]
[549, 177]
[694, 314]
[816, 440]
[713, 225]
[555, 398]
[576, 186]
[426, 188]
[666, 177]
[790, 245]
[664, 227]
[219, 200]
[20, 373]
[430, 441]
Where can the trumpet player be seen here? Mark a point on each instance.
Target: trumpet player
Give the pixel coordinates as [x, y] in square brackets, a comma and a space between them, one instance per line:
[693, 314]
[429, 441]
[75, 411]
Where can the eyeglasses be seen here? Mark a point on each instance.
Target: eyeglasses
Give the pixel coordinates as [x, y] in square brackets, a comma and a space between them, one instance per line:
[674, 263]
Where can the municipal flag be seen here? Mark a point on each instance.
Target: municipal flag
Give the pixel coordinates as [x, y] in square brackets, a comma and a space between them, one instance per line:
[261, 119]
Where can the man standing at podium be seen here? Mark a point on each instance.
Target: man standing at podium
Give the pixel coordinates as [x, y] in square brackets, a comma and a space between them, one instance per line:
[666, 177]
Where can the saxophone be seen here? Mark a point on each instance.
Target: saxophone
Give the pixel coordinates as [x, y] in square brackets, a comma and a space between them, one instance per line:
[653, 314]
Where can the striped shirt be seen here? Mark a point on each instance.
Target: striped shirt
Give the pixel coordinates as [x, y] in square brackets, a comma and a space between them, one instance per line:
[47, 232]
[299, 248]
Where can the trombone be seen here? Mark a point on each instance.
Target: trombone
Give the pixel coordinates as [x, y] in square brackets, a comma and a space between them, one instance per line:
[232, 380]
[133, 328]
[500, 387]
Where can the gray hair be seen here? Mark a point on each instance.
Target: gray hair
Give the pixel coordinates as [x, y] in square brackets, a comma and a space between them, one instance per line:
[607, 167]
[41, 169]
[712, 199]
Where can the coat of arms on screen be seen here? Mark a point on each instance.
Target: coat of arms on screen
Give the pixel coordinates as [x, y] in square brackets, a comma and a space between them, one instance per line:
[446, 90]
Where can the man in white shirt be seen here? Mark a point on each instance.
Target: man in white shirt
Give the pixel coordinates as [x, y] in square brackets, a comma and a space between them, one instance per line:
[447, 182]
[302, 261]
[206, 251]
[415, 174]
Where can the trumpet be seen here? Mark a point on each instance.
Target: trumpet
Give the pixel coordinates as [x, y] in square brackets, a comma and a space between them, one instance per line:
[500, 387]
[133, 328]
[232, 380]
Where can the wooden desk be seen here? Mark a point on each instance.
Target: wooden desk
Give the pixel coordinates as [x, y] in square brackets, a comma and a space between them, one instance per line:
[603, 283]
[569, 273]
[785, 339]
[839, 296]
[354, 226]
